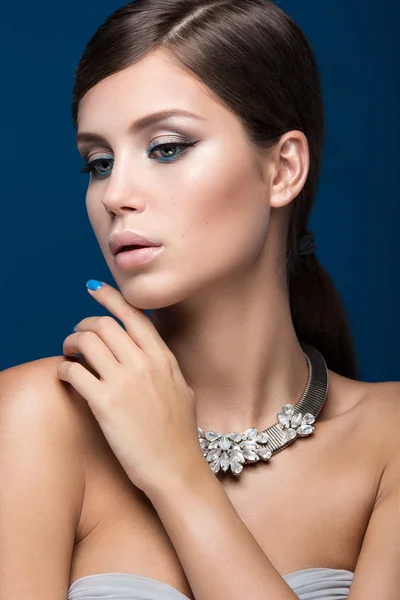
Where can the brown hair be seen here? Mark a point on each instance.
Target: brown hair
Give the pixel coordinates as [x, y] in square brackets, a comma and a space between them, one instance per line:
[256, 60]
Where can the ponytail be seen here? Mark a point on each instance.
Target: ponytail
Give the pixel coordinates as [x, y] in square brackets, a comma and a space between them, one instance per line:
[319, 316]
[272, 85]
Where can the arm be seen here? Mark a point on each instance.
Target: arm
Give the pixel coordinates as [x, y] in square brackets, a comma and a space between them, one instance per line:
[220, 557]
[377, 574]
[41, 482]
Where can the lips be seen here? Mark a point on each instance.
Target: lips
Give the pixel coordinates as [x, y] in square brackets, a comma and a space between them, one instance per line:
[130, 240]
[136, 258]
[133, 247]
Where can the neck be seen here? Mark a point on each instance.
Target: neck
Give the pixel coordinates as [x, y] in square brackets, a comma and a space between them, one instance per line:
[239, 353]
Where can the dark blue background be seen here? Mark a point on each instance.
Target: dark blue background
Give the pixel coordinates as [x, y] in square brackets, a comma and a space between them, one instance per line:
[47, 248]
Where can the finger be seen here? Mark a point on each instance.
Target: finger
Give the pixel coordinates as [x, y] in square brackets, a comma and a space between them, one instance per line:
[137, 324]
[84, 382]
[96, 353]
[117, 340]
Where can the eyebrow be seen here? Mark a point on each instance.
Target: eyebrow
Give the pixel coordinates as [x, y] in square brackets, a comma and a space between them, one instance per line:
[141, 124]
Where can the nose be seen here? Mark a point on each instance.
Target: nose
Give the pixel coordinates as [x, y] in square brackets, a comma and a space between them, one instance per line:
[120, 202]
[122, 195]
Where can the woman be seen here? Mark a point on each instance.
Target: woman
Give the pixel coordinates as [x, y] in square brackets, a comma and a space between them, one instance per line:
[201, 123]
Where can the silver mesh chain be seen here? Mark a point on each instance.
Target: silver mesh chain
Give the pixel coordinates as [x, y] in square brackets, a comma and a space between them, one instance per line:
[235, 450]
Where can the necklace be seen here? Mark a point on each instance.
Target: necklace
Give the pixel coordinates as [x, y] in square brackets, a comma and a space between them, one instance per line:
[234, 450]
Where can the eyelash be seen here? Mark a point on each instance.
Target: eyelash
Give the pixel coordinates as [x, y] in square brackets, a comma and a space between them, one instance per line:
[90, 167]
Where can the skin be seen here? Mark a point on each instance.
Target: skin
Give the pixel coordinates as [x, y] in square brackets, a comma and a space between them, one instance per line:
[221, 211]
[219, 300]
[222, 207]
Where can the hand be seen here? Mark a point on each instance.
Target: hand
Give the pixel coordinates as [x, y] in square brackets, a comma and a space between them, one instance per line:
[141, 401]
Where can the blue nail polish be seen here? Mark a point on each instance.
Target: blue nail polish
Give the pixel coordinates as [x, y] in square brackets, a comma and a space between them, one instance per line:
[74, 329]
[93, 284]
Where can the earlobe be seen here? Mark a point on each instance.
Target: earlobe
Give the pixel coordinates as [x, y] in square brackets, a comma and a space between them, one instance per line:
[292, 162]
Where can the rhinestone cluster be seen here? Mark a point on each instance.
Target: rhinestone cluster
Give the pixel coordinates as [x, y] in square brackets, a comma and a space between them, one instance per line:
[294, 424]
[233, 450]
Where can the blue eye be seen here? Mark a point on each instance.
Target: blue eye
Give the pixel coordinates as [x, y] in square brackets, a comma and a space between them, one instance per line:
[91, 167]
[167, 147]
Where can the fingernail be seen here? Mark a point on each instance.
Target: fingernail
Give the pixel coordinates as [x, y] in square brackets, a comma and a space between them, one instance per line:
[93, 284]
[74, 329]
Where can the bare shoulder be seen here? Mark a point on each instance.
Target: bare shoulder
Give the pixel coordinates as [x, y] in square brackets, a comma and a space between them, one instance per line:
[379, 413]
[374, 421]
[33, 392]
[34, 387]
[379, 403]
[372, 409]
[383, 397]
[37, 383]
[372, 399]
[43, 370]
[42, 481]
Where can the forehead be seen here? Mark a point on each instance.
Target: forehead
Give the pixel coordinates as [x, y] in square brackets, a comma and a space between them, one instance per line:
[153, 84]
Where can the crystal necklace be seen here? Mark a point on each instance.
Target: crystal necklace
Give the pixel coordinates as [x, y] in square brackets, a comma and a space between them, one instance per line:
[235, 450]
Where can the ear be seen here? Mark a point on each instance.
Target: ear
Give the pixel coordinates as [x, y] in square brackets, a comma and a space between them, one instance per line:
[290, 166]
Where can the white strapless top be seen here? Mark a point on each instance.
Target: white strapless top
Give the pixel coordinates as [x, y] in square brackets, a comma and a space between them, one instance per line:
[318, 583]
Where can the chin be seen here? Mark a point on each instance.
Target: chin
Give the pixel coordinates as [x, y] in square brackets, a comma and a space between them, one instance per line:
[149, 294]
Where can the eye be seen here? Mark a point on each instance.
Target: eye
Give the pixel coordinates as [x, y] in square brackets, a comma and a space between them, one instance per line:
[100, 167]
[91, 167]
[169, 148]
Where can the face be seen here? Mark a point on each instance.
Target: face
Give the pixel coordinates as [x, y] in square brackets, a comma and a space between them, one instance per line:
[202, 195]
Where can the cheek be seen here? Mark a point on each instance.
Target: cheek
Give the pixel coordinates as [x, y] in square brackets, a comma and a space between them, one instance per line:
[91, 202]
[225, 216]
[99, 220]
